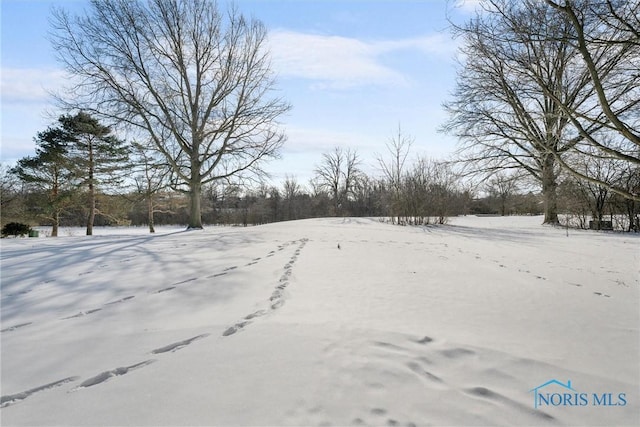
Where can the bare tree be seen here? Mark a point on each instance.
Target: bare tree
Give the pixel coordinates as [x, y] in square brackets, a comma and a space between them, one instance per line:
[429, 190]
[393, 169]
[629, 179]
[502, 187]
[291, 190]
[606, 33]
[338, 173]
[194, 80]
[507, 107]
[11, 195]
[152, 177]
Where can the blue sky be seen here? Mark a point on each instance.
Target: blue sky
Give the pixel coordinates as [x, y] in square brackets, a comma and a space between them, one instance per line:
[352, 69]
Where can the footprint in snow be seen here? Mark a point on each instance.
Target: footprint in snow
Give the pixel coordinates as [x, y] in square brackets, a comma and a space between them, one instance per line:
[416, 368]
[455, 353]
[107, 375]
[485, 393]
[178, 345]
[216, 275]
[258, 313]
[277, 304]
[15, 398]
[122, 300]
[185, 281]
[82, 314]
[15, 294]
[14, 327]
[425, 340]
[235, 328]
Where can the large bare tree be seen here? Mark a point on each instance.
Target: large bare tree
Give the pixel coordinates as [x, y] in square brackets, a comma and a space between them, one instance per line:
[393, 170]
[507, 107]
[194, 80]
[338, 173]
[606, 33]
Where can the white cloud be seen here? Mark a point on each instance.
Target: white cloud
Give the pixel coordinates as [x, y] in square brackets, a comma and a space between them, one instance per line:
[319, 140]
[25, 108]
[436, 44]
[28, 85]
[341, 62]
[468, 6]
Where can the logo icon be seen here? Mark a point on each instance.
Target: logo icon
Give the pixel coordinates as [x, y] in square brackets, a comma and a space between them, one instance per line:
[548, 398]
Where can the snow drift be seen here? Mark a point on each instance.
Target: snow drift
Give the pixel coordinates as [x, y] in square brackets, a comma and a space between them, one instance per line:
[487, 321]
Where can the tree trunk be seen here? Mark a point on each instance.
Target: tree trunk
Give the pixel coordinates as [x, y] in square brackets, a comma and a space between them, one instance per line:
[195, 217]
[549, 186]
[92, 194]
[150, 210]
[56, 222]
[56, 209]
[92, 210]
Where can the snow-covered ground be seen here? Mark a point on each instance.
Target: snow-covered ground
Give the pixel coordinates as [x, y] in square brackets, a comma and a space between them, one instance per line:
[277, 325]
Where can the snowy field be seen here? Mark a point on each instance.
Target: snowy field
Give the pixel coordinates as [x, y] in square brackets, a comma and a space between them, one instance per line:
[486, 321]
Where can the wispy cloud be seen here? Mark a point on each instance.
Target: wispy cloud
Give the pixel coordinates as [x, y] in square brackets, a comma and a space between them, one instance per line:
[468, 6]
[342, 62]
[319, 140]
[29, 85]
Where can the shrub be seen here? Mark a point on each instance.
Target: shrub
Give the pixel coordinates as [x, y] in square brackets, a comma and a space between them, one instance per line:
[15, 229]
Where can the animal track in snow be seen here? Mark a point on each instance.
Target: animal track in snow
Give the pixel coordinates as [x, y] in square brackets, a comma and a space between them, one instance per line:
[235, 328]
[425, 340]
[415, 367]
[107, 375]
[174, 285]
[489, 394]
[455, 353]
[178, 345]
[121, 300]
[82, 314]
[14, 327]
[15, 398]
[258, 313]
[216, 275]
[276, 300]
[277, 304]
[15, 294]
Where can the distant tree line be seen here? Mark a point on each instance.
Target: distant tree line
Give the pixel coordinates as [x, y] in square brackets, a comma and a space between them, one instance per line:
[83, 175]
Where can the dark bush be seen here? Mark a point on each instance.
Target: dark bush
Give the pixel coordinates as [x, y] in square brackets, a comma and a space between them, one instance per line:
[15, 229]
